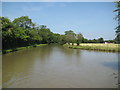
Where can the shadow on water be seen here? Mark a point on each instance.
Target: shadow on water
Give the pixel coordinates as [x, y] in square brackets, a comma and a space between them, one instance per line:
[20, 64]
[111, 65]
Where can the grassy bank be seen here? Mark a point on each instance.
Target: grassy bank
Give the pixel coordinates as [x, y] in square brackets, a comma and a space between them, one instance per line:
[21, 48]
[96, 46]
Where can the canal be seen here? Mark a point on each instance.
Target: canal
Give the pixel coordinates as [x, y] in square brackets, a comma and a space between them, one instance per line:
[55, 66]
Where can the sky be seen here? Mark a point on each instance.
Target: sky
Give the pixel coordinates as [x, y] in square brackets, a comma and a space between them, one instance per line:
[58, 0]
[92, 19]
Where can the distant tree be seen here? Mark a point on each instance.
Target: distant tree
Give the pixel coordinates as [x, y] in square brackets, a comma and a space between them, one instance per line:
[62, 39]
[70, 37]
[79, 38]
[85, 40]
[46, 34]
[100, 40]
[110, 41]
[96, 41]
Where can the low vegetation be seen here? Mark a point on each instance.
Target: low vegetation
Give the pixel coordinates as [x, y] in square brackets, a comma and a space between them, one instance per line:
[96, 46]
[21, 48]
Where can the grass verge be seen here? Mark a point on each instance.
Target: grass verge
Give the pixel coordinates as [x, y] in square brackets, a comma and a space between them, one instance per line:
[21, 48]
[96, 46]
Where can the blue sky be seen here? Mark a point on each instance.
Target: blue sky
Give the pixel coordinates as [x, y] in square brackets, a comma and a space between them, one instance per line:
[92, 19]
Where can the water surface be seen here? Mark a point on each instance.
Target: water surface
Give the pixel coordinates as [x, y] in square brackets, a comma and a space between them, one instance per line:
[55, 66]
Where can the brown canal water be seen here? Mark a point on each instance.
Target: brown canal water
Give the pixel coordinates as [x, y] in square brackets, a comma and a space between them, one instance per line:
[56, 66]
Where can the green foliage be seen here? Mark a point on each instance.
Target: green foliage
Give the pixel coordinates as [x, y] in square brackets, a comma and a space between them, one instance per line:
[23, 32]
[70, 37]
[7, 34]
[110, 41]
[99, 40]
[118, 19]
[45, 34]
[23, 22]
[80, 38]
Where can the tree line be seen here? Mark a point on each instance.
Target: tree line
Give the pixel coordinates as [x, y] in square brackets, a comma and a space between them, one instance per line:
[23, 32]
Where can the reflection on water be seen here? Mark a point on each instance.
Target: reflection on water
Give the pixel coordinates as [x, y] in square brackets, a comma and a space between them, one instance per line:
[112, 65]
[54, 66]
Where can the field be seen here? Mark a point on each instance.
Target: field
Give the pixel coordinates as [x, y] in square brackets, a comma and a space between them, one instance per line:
[96, 46]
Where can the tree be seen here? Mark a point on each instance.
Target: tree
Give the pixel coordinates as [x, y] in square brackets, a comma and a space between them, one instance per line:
[24, 22]
[20, 32]
[45, 33]
[110, 41]
[101, 40]
[25, 31]
[62, 39]
[118, 19]
[85, 40]
[34, 37]
[7, 34]
[70, 37]
[79, 38]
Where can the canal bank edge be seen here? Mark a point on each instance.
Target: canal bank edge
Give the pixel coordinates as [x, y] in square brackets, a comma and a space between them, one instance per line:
[21, 48]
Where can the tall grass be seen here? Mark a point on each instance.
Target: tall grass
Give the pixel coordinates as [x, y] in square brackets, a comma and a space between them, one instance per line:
[96, 46]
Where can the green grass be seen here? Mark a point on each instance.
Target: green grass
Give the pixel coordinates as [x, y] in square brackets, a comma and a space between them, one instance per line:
[96, 46]
[21, 48]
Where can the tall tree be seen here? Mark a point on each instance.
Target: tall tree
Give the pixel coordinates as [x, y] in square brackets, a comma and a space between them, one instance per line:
[45, 33]
[7, 34]
[24, 22]
[118, 19]
[25, 30]
[70, 37]
[79, 38]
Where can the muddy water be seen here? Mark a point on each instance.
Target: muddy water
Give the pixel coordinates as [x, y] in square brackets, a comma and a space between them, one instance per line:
[59, 67]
